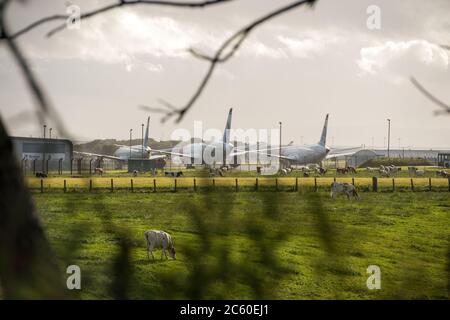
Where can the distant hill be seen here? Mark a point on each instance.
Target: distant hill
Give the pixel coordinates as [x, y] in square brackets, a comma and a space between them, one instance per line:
[109, 146]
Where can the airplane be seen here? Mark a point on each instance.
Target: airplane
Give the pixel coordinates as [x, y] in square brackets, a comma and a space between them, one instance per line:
[306, 154]
[123, 153]
[194, 153]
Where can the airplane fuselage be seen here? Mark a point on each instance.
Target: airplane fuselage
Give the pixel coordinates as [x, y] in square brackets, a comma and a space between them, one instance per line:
[303, 155]
[201, 153]
[137, 151]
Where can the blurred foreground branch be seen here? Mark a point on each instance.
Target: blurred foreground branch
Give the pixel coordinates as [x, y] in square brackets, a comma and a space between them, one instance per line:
[28, 267]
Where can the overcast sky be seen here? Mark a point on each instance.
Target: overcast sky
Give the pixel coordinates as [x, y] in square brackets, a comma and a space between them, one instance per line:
[294, 69]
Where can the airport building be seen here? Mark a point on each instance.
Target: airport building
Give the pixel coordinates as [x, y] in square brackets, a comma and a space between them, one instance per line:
[434, 157]
[43, 155]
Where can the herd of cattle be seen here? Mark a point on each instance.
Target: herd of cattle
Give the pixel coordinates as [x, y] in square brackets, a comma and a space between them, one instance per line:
[307, 171]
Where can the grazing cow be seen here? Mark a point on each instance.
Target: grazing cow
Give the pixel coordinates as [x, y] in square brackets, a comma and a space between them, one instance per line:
[157, 239]
[173, 174]
[321, 171]
[215, 172]
[351, 169]
[416, 171]
[41, 175]
[306, 174]
[442, 173]
[384, 173]
[135, 173]
[342, 170]
[346, 188]
[283, 172]
[412, 170]
[99, 171]
[312, 166]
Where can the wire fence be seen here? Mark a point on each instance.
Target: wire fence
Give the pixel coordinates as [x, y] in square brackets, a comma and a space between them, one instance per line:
[229, 184]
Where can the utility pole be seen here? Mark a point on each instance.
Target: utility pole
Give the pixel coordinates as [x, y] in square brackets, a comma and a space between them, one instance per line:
[142, 127]
[43, 150]
[50, 131]
[389, 137]
[131, 131]
[280, 144]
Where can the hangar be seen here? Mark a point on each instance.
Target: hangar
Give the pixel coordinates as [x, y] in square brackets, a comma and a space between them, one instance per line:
[44, 155]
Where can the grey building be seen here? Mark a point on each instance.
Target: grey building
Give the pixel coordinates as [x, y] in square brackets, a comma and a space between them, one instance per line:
[43, 155]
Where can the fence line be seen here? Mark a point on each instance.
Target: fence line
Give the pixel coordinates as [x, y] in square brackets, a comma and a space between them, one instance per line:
[245, 184]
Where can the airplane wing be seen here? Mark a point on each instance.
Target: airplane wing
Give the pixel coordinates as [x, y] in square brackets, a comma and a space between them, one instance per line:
[263, 153]
[171, 153]
[342, 152]
[97, 155]
[155, 157]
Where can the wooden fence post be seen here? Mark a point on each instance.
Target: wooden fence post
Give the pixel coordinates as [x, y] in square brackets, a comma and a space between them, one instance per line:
[256, 185]
[90, 185]
[42, 186]
[65, 186]
[374, 184]
[449, 184]
[429, 184]
[353, 180]
[276, 184]
[195, 185]
[315, 184]
[296, 183]
[237, 185]
[132, 186]
[112, 185]
[214, 184]
[154, 185]
[393, 184]
[412, 185]
[175, 185]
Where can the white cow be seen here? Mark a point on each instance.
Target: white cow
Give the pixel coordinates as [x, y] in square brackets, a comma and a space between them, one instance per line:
[346, 188]
[157, 239]
[384, 173]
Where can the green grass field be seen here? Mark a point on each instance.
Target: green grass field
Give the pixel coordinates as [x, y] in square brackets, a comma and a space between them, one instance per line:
[253, 245]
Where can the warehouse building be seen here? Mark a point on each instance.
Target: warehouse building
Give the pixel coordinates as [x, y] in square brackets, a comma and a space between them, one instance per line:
[43, 155]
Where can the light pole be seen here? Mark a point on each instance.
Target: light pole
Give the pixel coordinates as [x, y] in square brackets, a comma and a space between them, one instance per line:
[279, 149]
[50, 132]
[43, 150]
[131, 131]
[142, 129]
[389, 137]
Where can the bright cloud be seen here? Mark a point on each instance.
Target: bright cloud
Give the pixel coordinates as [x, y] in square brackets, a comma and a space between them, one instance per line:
[400, 59]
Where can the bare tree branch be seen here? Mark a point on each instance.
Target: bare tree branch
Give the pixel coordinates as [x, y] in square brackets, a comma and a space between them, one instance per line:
[32, 82]
[120, 3]
[426, 93]
[225, 52]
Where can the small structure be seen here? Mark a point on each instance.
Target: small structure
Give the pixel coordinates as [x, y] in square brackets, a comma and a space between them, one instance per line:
[443, 160]
[43, 155]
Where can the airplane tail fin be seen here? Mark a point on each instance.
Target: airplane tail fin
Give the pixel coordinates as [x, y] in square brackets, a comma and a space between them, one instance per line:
[226, 133]
[323, 137]
[146, 134]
